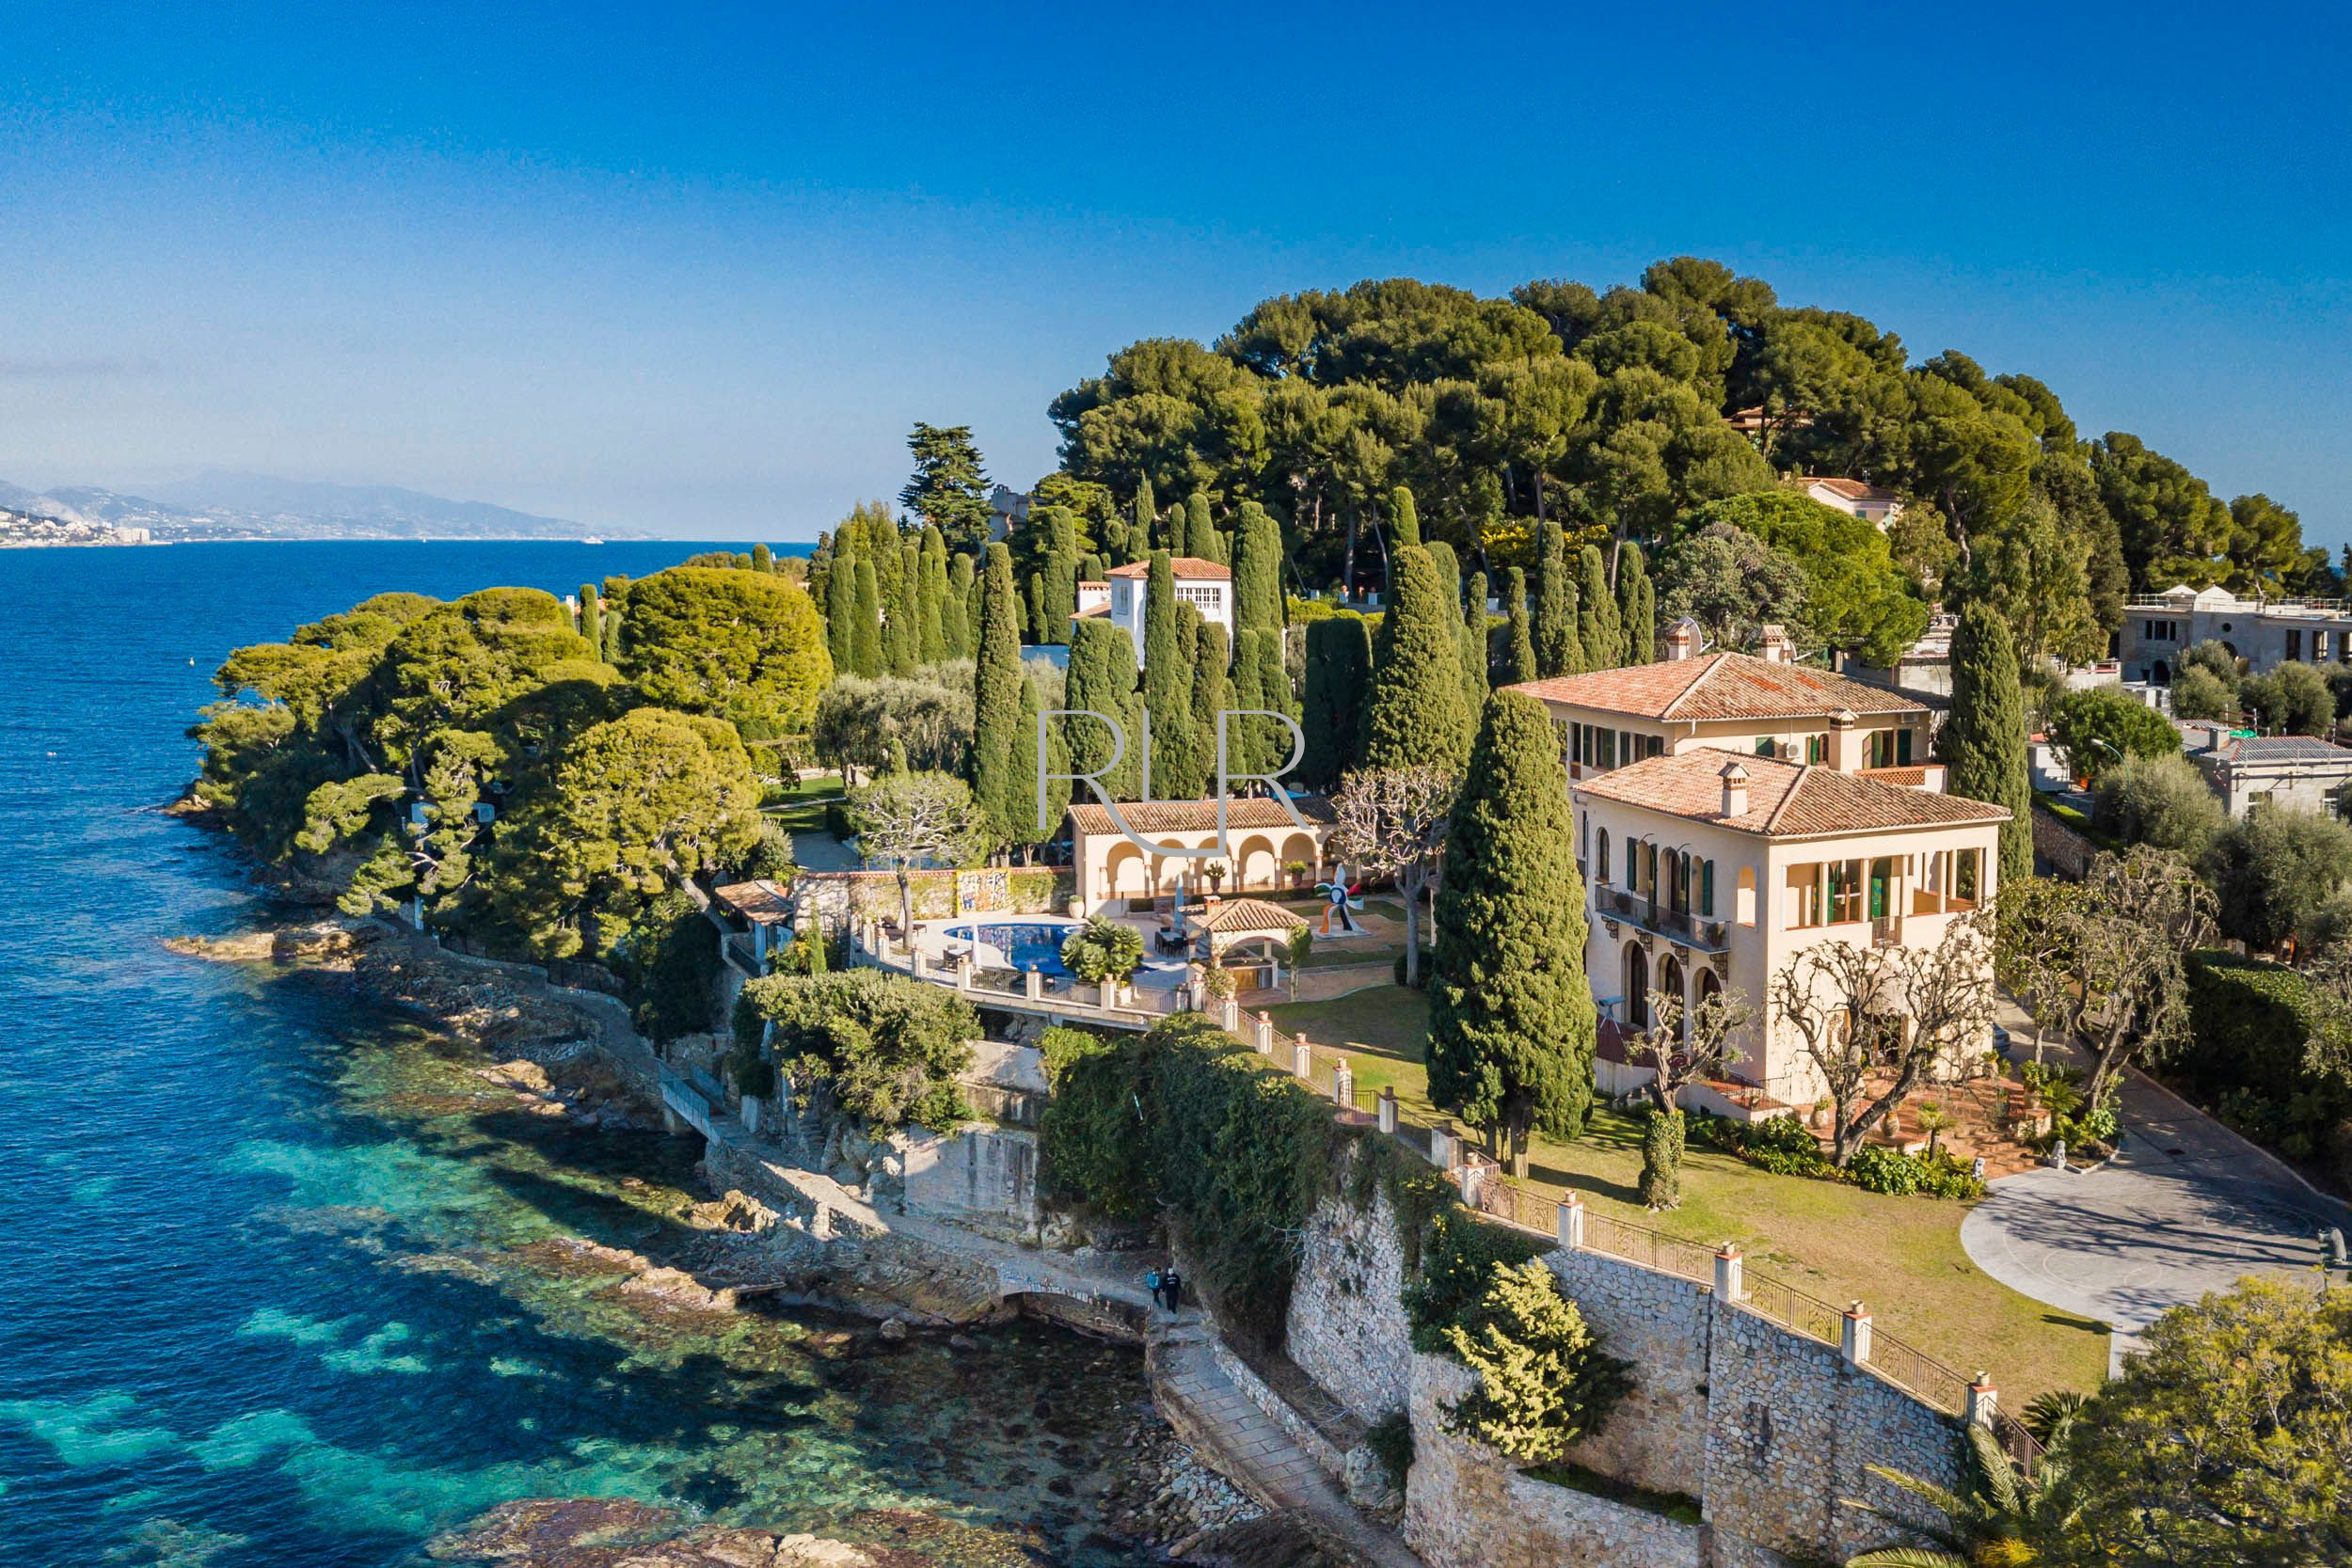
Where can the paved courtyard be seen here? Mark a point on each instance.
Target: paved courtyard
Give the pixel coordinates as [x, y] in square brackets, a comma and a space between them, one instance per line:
[2186, 1208]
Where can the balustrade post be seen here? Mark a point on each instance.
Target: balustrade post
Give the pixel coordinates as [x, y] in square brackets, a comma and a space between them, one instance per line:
[1572, 1221]
[1229, 1015]
[1854, 1337]
[1343, 1084]
[1388, 1112]
[1302, 1059]
[963, 972]
[1729, 1265]
[1264, 1030]
[1035, 984]
[1443, 1146]
[1984, 1401]
[920, 965]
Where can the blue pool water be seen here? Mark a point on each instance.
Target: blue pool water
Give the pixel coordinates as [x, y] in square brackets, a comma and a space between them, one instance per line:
[1027, 944]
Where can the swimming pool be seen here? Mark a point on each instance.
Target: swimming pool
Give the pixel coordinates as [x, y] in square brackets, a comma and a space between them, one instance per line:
[1022, 945]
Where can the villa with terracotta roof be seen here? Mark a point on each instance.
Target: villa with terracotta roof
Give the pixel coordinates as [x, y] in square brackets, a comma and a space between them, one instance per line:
[1262, 841]
[1873, 504]
[1764, 703]
[1710, 870]
[1205, 585]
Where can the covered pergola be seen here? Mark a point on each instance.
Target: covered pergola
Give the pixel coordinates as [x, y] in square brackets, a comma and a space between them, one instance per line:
[1262, 845]
[1234, 925]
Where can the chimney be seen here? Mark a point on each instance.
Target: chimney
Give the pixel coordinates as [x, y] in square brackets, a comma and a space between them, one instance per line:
[1773, 647]
[1683, 640]
[1845, 741]
[1735, 791]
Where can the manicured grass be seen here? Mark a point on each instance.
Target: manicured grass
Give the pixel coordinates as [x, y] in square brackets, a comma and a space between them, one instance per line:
[799, 807]
[1900, 1256]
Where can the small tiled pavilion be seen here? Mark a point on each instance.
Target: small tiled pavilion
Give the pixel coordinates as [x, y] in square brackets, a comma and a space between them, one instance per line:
[1261, 840]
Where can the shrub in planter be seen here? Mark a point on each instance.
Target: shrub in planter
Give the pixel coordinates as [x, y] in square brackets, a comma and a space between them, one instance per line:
[1428, 966]
[1781, 1145]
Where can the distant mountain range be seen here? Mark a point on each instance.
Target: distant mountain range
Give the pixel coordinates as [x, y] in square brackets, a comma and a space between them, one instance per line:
[256, 506]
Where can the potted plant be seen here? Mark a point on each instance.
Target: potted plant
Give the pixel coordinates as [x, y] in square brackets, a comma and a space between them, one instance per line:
[1822, 1109]
[1215, 871]
[1297, 871]
[1105, 953]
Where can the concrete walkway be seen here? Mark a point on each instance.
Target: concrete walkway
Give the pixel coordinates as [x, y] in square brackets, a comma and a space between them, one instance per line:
[2185, 1206]
[814, 851]
[1228, 1431]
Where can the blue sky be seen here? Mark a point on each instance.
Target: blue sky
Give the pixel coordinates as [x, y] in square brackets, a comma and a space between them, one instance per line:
[697, 269]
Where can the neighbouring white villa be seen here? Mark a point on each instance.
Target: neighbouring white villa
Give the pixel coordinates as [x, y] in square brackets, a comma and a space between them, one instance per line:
[1710, 870]
[1203, 584]
[1113, 875]
[1872, 503]
[2253, 773]
[2264, 632]
[1759, 703]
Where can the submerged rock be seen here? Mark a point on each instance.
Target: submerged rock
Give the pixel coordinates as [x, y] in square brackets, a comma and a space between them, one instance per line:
[620, 1532]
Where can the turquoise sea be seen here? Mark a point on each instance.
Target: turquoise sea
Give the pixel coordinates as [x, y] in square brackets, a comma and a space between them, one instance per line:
[273, 1291]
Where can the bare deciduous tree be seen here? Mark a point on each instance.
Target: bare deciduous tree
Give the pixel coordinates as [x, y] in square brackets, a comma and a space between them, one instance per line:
[1707, 1049]
[2143, 913]
[1391, 822]
[1888, 1018]
[916, 816]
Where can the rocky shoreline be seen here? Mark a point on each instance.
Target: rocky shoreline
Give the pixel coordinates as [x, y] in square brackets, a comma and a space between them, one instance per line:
[544, 1058]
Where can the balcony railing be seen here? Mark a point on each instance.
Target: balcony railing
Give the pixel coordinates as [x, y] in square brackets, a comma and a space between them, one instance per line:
[1703, 932]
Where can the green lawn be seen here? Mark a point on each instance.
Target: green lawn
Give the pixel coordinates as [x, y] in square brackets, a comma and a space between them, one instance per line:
[799, 807]
[1901, 1256]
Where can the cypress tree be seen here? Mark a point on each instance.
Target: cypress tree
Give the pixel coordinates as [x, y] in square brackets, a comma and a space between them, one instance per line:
[1404, 521]
[1212, 694]
[931, 604]
[1027, 835]
[1637, 607]
[903, 643]
[1414, 713]
[1257, 571]
[1261, 682]
[612, 631]
[1475, 678]
[997, 681]
[972, 606]
[1983, 741]
[955, 619]
[591, 615]
[1102, 680]
[1518, 658]
[1339, 665]
[866, 651]
[1511, 1020]
[1558, 650]
[763, 560]
[1167, 688]
[1138, 536]
[841, 604]
[1033, 609]
[1449, 581]
[1092, 568]
[1200, 531]
[1059, 598]
[1598, 628]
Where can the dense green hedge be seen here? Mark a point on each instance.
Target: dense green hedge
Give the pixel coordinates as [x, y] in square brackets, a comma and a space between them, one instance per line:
[2251, 1027]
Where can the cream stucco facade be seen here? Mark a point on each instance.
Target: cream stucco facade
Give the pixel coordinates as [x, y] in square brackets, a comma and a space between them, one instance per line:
[1687, 897]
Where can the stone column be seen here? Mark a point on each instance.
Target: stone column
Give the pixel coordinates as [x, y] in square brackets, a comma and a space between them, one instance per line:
[1302, 1057]
[963, 972]
[1572, 1222]
[1728, 1285]
[1229, 1015]
[1387, 1108]
[1854, 1337]
[1035, 985]
[1984, 1401]
[1342, 1085]
[1470, 1175]
[1443, 1146]
[921, 965]
[1263, 1031]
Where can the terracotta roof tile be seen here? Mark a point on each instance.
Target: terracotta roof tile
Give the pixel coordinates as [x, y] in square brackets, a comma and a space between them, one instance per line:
[1191, 816]
[1229, 916]
[1181, 567]
[760, 902]
[1719, 686]
[1855, 489]
[1785, 800]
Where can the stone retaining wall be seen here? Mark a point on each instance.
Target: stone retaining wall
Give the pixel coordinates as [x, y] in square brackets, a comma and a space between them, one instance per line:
[1466, 1505]
[1347, 1328]
[1769, 1430]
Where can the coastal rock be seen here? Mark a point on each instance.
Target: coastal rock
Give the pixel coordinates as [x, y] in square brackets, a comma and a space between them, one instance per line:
[620, 1532]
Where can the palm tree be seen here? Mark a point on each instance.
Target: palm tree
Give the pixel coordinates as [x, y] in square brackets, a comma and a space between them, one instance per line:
[1995, 1524]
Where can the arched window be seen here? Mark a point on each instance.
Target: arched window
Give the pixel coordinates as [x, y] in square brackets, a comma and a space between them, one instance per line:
[1600, 863]
[1670, 984]
[1636, 986]
[1708, 985]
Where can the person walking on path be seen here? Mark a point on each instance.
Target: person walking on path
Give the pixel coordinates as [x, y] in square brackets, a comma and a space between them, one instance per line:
[1173, 1283]
[1152, 1282]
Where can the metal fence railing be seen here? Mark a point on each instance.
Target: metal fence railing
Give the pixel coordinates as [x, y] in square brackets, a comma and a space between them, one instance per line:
[1921, 1373]
[1793, 1309]
[1652, 1249]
